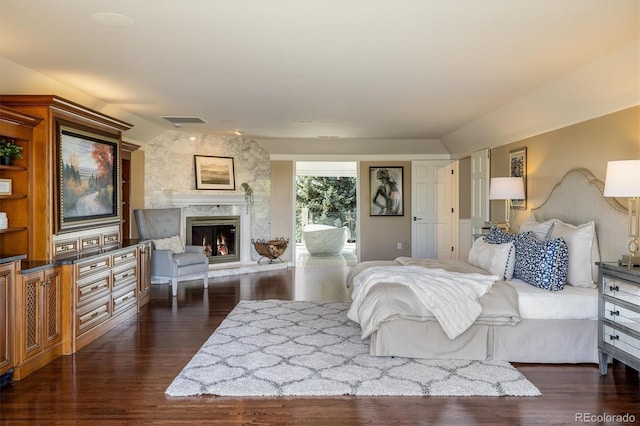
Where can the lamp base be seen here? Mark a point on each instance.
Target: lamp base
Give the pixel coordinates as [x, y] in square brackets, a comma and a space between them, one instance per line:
[629, 261]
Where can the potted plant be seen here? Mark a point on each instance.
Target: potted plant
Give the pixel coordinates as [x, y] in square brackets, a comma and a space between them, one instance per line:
[9, 150]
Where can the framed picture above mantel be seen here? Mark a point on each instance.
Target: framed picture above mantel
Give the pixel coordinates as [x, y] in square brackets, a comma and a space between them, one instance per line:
[214, 172]
[88, 178]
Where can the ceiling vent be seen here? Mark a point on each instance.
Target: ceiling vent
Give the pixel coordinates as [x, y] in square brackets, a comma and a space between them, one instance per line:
[184, 120]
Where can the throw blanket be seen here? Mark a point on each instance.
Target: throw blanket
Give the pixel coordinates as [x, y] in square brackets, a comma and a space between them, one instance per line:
[452, 297]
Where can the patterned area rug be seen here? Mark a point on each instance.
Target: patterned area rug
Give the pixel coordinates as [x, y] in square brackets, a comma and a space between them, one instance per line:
[285, 348]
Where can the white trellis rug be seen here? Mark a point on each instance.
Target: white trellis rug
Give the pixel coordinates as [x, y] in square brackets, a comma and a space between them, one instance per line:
[285, 348]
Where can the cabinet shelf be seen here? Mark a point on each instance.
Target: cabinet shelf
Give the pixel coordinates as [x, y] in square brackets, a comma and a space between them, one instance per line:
[13, 196]
[13, 168]
[10, 230]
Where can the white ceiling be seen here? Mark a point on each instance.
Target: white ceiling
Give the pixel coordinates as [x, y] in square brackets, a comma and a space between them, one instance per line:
[399, 70]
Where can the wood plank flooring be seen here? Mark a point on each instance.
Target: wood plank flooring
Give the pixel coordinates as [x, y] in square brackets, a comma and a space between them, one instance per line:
[121, 377]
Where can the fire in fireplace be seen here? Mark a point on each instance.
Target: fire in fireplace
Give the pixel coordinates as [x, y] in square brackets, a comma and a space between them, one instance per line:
[218, 235]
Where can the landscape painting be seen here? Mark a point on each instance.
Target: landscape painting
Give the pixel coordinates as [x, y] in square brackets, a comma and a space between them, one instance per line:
[214, 172]
[88, 179]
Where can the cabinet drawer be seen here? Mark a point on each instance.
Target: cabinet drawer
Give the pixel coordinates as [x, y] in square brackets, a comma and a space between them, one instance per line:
[622, 341]
[124, 299]
[65, 248]
[124, 257]
[88, 243]
[93, 314]
[124, 274]
[622, 315]
[93, 266]
[111, 239]
[622, 290]
[92, 286]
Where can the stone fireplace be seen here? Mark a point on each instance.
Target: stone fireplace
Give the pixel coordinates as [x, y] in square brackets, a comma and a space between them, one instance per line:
[219, 236]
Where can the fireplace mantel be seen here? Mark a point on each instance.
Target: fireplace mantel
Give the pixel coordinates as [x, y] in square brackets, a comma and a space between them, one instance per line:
[208, 198]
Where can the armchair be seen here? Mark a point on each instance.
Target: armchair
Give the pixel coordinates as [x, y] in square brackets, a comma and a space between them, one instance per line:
[178, 263]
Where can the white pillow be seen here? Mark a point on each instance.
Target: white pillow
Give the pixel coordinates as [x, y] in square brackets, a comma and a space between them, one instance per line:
[539, 230]
[497, 259]
[172, 243]
[583, 251]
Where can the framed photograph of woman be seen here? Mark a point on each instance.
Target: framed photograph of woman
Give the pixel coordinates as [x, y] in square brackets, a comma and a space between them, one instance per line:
[386, 191]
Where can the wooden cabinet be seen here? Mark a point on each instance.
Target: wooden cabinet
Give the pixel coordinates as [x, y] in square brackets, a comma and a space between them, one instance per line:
[619, 319]
[39, 211]
[38, 318]
[15, 203]
[144, 268]
[7, 272]
[106, 293]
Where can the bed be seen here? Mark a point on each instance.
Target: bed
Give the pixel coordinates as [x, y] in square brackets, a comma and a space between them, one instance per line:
[519, 322]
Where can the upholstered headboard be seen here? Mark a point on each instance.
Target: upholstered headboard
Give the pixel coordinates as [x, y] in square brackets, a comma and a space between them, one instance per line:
[578, 198]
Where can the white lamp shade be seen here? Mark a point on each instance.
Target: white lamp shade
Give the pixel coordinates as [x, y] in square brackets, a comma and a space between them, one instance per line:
[622, 179]
[506, 188]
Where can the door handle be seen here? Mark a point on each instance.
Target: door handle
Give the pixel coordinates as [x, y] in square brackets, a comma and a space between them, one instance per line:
[416, 218]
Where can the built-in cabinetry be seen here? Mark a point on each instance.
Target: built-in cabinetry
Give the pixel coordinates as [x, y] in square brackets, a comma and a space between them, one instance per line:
[41, 213]
[19, 127]
[7, 276]
[38, 320]
[144, 270]
[619, 320]
[106, 292]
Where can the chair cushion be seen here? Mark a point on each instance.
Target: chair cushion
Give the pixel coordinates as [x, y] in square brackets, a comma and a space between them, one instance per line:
[184, 259]
[172, 243]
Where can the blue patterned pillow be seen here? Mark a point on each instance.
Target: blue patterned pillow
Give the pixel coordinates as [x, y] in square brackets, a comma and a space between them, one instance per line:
[543, 264]
[498, 236]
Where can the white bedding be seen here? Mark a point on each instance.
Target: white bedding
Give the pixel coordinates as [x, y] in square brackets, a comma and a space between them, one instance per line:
[569, 303]
[452, 297]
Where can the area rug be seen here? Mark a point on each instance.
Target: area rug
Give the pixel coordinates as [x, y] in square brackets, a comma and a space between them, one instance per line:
[294, 348]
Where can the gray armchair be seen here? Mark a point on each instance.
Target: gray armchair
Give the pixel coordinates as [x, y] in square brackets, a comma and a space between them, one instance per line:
[155, 224]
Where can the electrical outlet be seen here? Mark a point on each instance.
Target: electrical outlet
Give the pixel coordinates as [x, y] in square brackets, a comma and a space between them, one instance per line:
[399, 246]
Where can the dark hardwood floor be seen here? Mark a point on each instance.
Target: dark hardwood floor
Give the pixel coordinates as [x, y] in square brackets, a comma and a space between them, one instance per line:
[121, 377]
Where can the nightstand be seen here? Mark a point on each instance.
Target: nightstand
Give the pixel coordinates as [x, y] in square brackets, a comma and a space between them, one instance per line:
[619, 315]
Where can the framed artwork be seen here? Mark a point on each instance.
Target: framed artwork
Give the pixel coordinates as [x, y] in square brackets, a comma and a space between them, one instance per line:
[214, 172]
[5, 186]
[386, 191]
[518, 168]
[88, 178]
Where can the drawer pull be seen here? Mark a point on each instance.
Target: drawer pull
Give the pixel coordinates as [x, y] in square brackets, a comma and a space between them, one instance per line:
[614, 313]
[95, 314]
[125, 298]
[93, 266]
[125, 275]
[612, 337]
[614, 288]
[95, 287]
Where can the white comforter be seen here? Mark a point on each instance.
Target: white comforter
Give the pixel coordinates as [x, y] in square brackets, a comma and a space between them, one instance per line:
[452, 297]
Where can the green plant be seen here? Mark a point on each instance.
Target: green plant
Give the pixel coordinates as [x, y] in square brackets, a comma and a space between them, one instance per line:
[9, 149]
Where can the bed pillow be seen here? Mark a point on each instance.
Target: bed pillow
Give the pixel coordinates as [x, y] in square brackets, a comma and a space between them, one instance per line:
[497, 259]
[540, 230]
[543, 264]
[583, 251]
[498, 236]
[172, 243]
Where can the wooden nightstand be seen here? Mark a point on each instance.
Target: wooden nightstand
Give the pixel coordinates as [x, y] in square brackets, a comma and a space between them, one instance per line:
[619, 315]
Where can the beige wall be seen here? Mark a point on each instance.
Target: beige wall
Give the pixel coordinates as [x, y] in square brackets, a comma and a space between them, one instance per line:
[379, 235]
[550, 155]
[282, 200]
[137, 187]
[464, 188]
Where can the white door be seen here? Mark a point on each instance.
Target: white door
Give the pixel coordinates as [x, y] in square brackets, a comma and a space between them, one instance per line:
[480, 163]
[431, 209]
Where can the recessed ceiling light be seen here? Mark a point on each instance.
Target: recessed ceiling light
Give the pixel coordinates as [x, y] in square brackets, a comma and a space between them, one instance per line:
[109, 19]
[306, 121]
[238, 132]
[329, 137]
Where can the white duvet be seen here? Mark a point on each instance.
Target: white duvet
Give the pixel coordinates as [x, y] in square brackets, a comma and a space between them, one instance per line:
[452, 297]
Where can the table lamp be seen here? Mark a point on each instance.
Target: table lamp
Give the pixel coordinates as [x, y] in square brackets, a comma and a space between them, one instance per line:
[506, 188]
